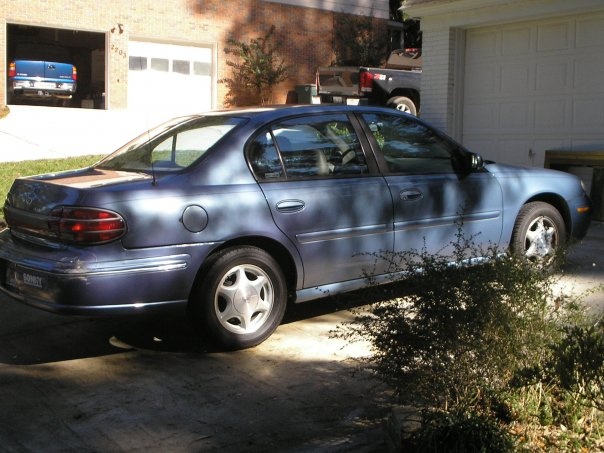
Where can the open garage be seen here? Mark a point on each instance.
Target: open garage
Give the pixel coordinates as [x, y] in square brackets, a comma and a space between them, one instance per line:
[84, 49]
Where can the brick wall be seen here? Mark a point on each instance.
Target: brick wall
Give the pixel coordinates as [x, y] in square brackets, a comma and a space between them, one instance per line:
[305, 34]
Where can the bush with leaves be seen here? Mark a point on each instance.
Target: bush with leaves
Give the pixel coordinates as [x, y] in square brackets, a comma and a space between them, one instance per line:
[578, 362]
[460, 432]
[256, 69]
[460, 337]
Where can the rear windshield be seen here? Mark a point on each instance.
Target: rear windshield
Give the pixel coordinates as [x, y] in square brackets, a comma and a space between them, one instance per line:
[172, 146]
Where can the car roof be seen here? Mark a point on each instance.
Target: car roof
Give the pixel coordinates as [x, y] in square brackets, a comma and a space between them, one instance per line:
[278, 111]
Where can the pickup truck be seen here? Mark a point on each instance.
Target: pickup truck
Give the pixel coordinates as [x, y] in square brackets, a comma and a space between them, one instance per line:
[38, 73]
[397, 85]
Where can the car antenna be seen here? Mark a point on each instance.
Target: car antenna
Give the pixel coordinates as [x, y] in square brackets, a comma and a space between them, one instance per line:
[154, 181]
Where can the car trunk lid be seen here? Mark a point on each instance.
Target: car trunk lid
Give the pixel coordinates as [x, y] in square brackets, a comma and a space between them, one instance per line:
[31, 204]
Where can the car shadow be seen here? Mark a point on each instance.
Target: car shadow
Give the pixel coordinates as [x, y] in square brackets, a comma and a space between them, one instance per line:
[39, 337]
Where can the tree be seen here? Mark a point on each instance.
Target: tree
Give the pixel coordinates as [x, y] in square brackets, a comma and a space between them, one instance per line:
[358, 41]
[256, 70]
[410, 34]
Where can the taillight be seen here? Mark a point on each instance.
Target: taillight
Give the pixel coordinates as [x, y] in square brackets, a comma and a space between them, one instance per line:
[74, 73]
[12, 70]
[86, 225]
[366, 82]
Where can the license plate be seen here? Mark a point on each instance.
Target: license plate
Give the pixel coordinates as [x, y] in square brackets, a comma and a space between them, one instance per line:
[14, 277]
[45, 85]
[337, 99]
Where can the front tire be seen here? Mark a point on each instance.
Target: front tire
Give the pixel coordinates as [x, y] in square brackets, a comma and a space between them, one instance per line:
[403, 104]
[240, 298]
[539, 233]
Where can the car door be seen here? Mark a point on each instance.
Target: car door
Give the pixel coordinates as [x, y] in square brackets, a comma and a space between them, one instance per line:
[326, 196]
[436, 197]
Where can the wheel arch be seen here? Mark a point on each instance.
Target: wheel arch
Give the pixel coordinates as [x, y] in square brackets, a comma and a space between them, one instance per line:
[557, 202]
[407, 92]
[274, 248]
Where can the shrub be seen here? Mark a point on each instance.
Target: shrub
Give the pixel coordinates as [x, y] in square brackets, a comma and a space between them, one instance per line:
[489, 345]
[578, 362]
[457, 432]
[256, 70]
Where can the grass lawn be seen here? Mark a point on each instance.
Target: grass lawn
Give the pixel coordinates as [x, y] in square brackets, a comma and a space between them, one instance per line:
[11, 170]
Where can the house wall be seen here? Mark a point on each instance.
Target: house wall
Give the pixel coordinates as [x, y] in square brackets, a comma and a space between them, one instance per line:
[304, 34]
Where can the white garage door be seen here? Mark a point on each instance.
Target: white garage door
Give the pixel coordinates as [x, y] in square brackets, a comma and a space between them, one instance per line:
[175, 79]
[534, 86]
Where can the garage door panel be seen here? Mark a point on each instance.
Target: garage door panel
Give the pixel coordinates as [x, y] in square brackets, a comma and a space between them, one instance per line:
[483, 82]
[588, 73]
[588, 114]
[515, 80]
[481, 117]
[551, 76]
[535, 85]
[550, 114]
[481, 45]
[553, 36]
[589, 33]
[514, 151]
[516, 42]
[514, 115]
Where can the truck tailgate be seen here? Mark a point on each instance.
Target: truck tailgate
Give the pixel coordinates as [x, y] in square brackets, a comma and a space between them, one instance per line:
[47, 70]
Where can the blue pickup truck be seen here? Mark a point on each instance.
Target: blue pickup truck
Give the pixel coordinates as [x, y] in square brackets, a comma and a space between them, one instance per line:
[41, 72]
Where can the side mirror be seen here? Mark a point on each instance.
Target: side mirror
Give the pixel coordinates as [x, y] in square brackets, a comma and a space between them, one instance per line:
[476, 162]
[468, 162]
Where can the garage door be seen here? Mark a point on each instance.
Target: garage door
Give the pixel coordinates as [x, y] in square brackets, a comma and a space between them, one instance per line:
[534, 86]
[175, 79]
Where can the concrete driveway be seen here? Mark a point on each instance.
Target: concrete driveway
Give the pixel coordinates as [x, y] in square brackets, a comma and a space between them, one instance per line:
[111, 385]
[149, 384]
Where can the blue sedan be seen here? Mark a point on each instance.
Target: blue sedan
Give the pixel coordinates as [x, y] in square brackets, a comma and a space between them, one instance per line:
[232, 214]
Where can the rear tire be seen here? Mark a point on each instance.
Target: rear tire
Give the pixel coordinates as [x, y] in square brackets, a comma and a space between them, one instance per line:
[403, 104]
[539, 233]
[240, 298]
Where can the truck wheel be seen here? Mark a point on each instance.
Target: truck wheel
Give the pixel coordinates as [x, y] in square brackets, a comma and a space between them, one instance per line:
[240, 298]
[402, 103]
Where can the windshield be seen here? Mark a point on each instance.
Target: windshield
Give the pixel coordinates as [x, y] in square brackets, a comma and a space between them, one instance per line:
[172, 146]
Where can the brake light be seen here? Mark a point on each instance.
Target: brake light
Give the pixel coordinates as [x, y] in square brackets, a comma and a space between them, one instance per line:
[12, 70]
[74, 73]
[366, 82]
[86, 226]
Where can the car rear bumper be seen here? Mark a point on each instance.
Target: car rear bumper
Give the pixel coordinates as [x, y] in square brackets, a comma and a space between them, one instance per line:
[76, 281]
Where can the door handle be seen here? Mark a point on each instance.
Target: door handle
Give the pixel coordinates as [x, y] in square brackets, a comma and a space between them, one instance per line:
[411, 195]
[290, 205]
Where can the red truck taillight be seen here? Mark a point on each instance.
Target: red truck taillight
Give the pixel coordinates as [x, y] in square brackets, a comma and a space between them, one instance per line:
[74, 73]
[12, 69]
[366, 82]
